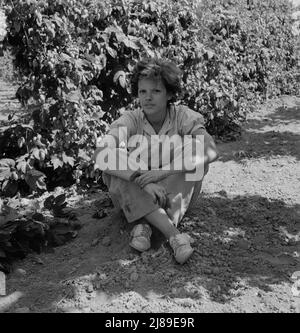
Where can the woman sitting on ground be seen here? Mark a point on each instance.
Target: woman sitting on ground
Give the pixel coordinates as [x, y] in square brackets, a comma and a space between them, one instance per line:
[151, 188]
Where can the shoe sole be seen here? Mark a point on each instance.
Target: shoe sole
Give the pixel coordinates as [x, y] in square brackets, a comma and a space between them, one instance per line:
[139, 249]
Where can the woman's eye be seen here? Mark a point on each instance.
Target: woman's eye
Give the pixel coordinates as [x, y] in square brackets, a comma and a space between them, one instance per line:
[156, 91]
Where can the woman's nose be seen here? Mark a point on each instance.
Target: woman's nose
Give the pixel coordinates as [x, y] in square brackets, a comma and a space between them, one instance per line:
[148, 96]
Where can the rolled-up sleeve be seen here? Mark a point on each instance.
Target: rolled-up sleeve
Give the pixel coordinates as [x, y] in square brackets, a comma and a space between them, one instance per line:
[123, 128]
[111, 155]
[190, 122]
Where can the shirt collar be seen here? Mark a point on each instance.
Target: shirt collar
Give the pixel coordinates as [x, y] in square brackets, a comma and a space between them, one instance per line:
[168, 123]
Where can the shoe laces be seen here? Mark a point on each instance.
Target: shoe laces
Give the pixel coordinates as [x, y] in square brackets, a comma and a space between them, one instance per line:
[179, 240]
[141, 230]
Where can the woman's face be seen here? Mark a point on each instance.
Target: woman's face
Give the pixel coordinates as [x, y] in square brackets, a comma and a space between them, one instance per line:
[153, 96]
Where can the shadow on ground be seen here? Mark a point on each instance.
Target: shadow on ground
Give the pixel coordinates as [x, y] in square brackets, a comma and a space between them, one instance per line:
[237, 239]
[263, 137]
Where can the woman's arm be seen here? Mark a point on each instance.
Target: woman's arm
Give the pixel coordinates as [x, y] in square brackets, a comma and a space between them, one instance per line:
[188, 162]
[208, 152]
[109, 156]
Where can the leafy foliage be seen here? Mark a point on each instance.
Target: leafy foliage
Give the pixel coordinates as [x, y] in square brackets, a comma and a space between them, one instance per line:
[76, 57]
[253, 57]
[3, 26]
[20, 236]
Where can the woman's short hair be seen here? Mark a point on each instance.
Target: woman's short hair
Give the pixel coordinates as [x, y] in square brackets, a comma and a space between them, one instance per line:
[157, 69]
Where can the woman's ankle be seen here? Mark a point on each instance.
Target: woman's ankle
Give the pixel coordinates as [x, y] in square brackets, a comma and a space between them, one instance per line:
[173, 234]
[161, 221]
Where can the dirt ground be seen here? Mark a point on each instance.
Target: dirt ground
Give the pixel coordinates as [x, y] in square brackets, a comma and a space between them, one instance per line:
[245, 226]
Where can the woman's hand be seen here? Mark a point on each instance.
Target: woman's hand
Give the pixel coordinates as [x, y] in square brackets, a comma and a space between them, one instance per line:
[151, 176]
[158, 193]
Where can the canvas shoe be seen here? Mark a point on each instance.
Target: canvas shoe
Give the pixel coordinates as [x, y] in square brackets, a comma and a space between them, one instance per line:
[181, 246]
[141, 234]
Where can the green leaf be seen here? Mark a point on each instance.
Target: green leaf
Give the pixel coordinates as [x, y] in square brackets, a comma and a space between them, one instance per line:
[59, 22]
[150, 53]
[7, 162]
[48, 23]
[38, 217]
[5, 166]
[48, 203]
[35, 178]
[82, 154]
[56, 162]
[74, 96]
[7, 214]
[17, 26]
[113, 53]
[4, 173]
[118, 75]
[210, 54]
[130, 44]
[64, 57]
[60, 200]
[89, 60]
[68, 159]
[81, 63]
[39, 18]
[41, 184]
[115, 29]
[9, 188]
[70, 85]
[36, 153]
[122, 81]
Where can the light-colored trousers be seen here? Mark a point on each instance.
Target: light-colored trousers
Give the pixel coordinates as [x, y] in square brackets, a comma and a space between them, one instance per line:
[137, 203]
